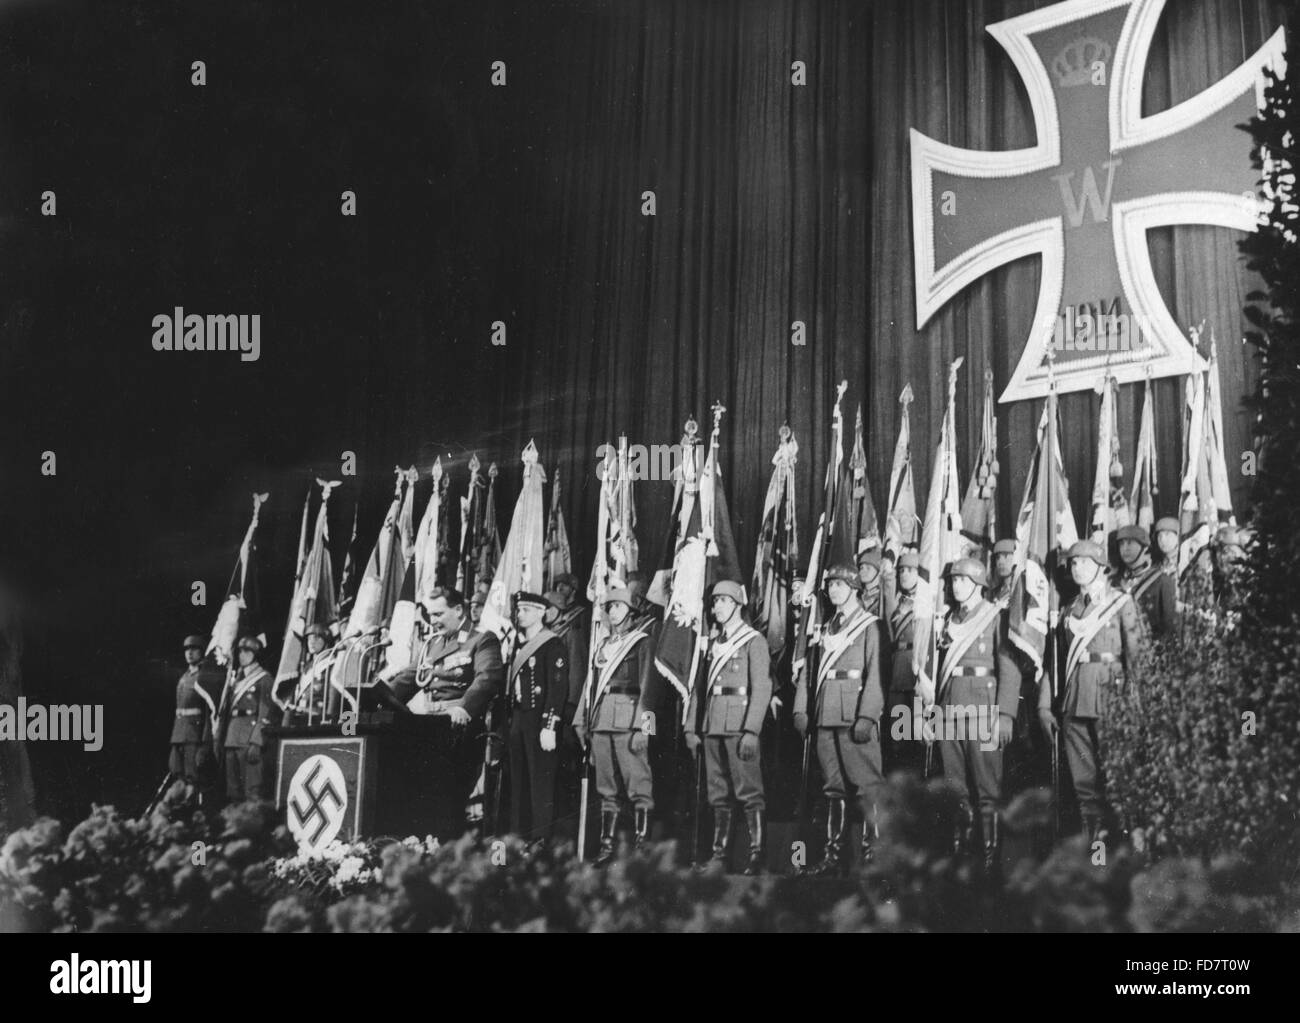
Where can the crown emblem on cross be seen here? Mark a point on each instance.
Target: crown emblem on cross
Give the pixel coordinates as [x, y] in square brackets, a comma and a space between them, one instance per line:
[1074, 64]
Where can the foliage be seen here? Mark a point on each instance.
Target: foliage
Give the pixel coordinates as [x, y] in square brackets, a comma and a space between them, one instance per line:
[114, 873]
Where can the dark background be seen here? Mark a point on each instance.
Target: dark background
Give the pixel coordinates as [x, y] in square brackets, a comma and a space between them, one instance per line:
[477, 204]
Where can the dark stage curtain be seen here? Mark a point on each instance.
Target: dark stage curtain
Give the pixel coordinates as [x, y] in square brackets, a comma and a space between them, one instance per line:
[779, 203]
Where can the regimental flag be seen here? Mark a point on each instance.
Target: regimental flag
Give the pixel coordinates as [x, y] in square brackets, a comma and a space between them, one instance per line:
[687, 471]
[901, 524]
[778, 549]
[471, 526]
[559, 559]
[522, 562]
[616, 546]
[489, 550]
[808, 598]
[1044, 527]
[401, 625]
[979, 508]
[1205, 500]
[313, 595]
[864, 525]
[302, 540]
[1143, 501]
[1110, 508]
[705, 554]
[941, 538]
[240, 611]
[348, 577]
[430, 539]
[386, 571]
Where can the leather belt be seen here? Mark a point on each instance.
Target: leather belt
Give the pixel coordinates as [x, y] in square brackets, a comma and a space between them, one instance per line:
[622, 690]
[903, 646]
[1104, 658]
[188, 712]
[846, 674]
[728, 691]
[242, 713]
[970, 672]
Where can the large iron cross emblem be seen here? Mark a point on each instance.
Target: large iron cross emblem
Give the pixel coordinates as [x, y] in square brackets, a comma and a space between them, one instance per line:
[1084, 196]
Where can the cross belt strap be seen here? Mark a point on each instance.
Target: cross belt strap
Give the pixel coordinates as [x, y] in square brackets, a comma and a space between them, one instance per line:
[728, 691]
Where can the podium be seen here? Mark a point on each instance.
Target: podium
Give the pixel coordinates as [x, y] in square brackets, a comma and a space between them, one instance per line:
[391, 775]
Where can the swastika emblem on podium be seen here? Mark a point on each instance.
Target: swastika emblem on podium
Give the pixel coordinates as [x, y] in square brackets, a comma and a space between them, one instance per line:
[318, 802]
[1099, 176]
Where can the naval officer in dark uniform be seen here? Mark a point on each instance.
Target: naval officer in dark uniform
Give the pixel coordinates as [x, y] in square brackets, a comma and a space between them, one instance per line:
[538, 686]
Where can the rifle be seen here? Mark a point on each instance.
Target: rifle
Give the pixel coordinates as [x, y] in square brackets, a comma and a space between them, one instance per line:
[158, 794]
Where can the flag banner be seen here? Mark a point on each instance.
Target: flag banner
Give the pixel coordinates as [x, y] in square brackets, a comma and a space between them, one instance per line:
[1110, 508]
[489, 549]
[778, 549]
[313, 596]
[979, 508]
[901, 524]
[941, 538]
[559, 559]
[430, 539]
[348, 577]
[1143, 500]
[865, 526]
[239, 612]
[522, 560]
[1044, 526]
[705, 554]
[471, 524]
[808, 596]
[1205, 500]
[385, 572]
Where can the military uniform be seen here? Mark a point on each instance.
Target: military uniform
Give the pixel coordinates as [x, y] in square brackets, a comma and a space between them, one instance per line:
[247, 708]
[978, 684]
[610, 714]
[1099, 644]
[196, 708]
[906, 752]
[538, 686]
[459, 669]
[1153, 589]
[729, 701]
[848, 699]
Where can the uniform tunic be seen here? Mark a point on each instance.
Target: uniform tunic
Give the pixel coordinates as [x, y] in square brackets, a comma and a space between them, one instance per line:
[538, 688]
[612, 711]
[848, 689]
[906, 751]
[248, 708]
[192, 731]
[979, 682]
[1156, 592]
[1092, 668]
[730, 700]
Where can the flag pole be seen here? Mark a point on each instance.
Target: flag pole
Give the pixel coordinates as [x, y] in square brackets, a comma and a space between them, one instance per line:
[1053, 613]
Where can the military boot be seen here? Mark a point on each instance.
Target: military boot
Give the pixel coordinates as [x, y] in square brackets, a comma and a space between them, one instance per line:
[721, 833]
[989, 825]
[642, 826]
[608, 822]
[868, 839]
[1091, 830]
[836, 824]
[963, 832]
[757, 822]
